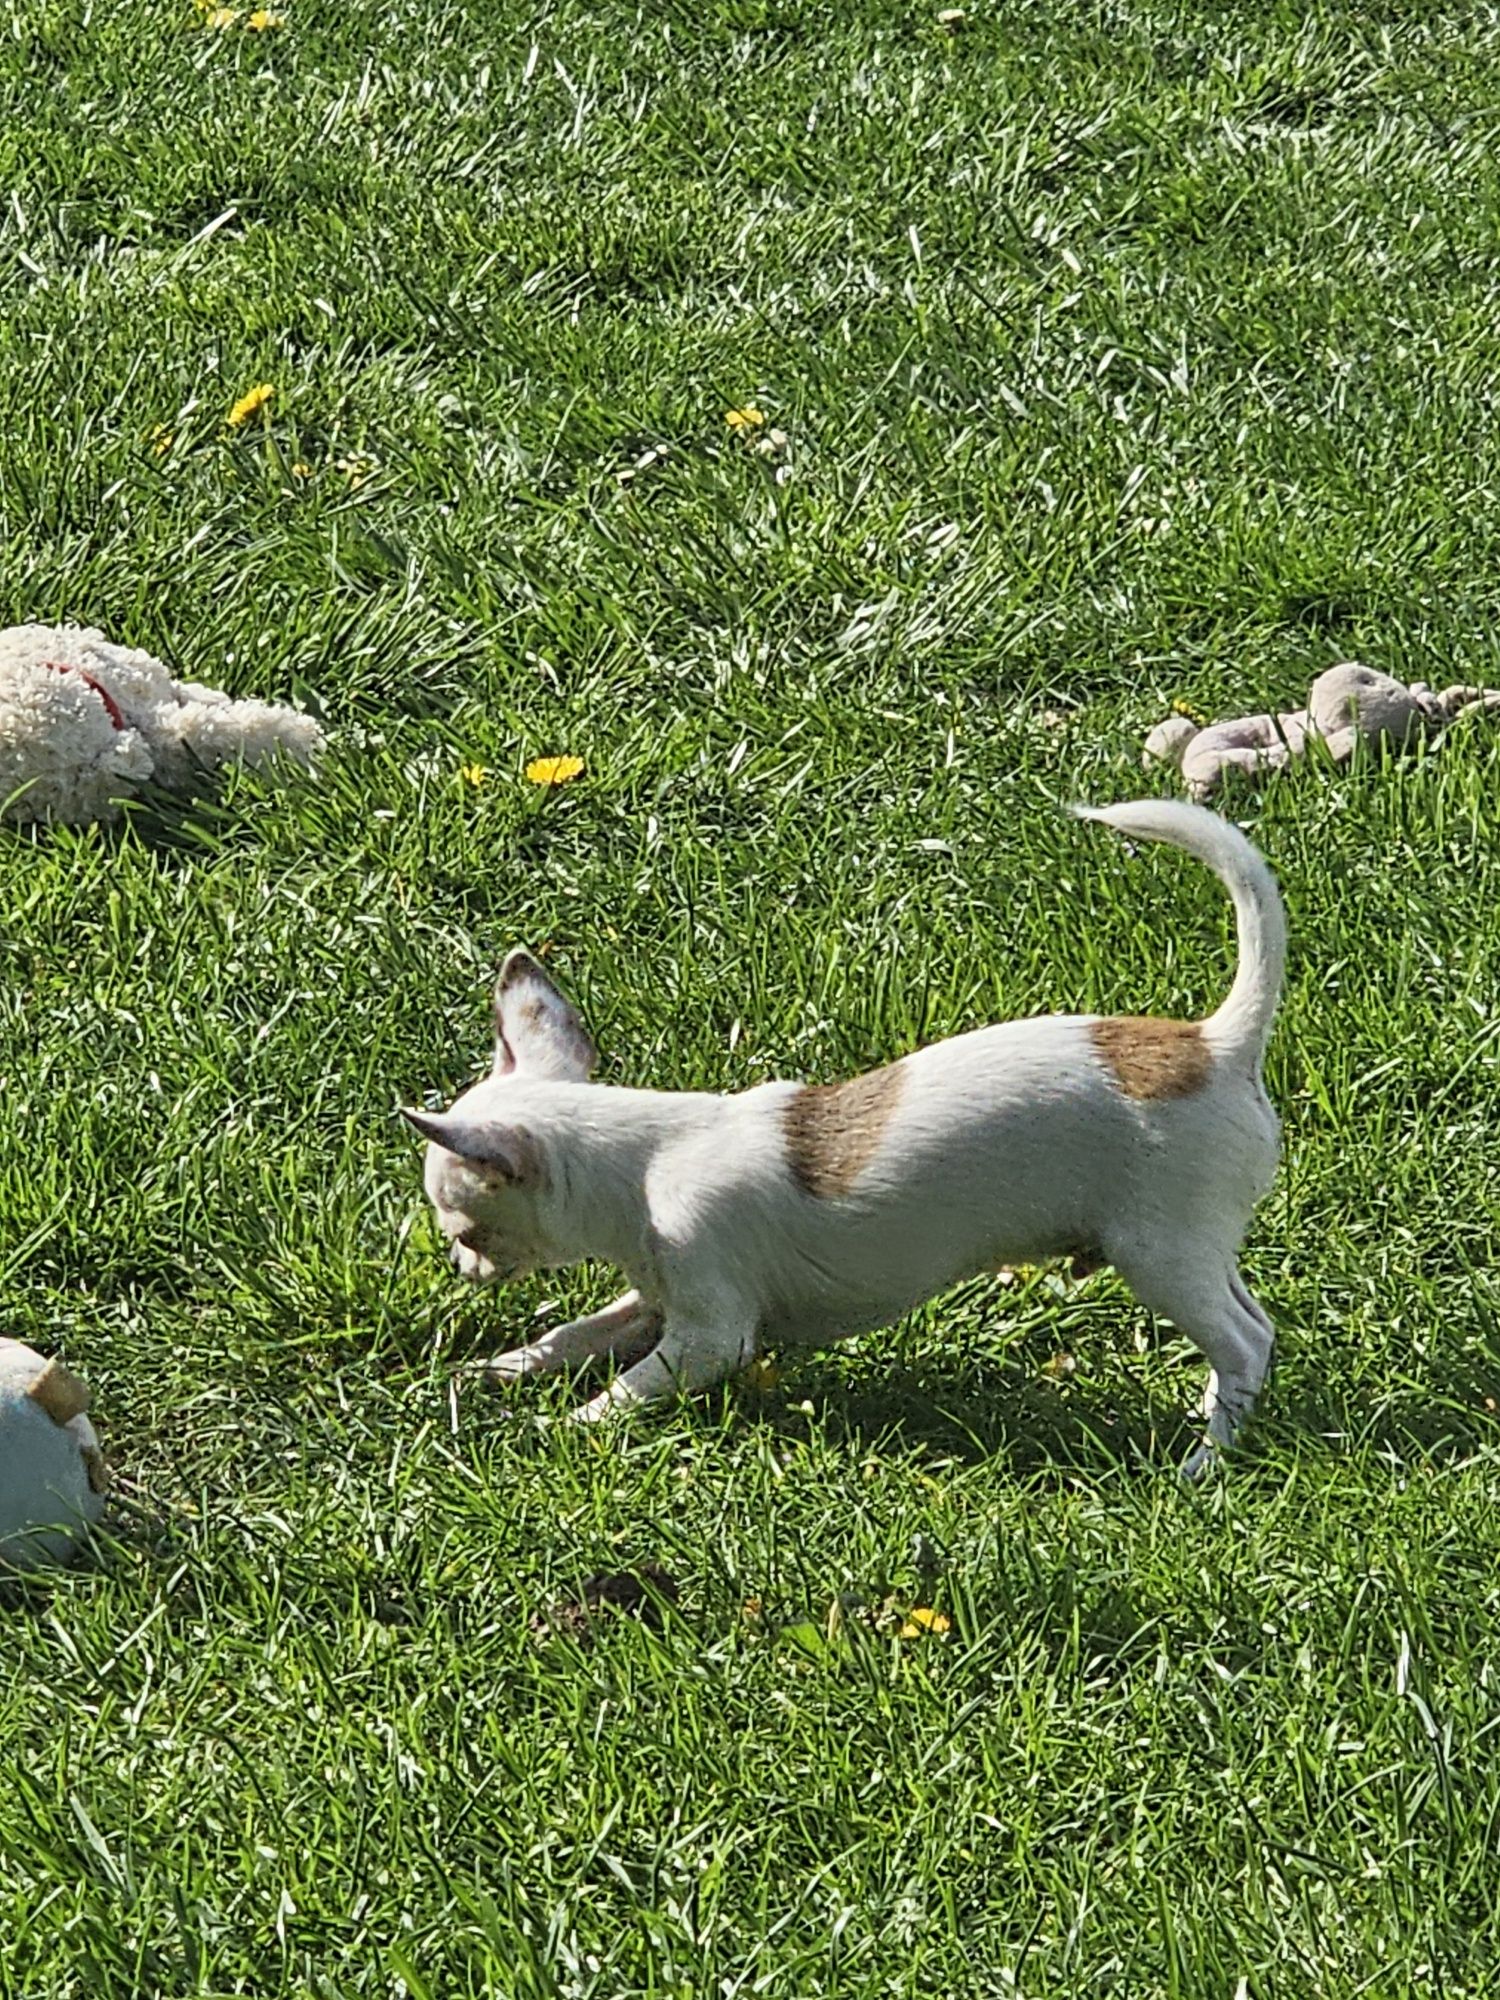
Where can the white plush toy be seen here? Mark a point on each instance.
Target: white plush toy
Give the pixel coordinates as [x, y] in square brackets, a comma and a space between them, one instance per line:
[52, 1472]
[84, 724]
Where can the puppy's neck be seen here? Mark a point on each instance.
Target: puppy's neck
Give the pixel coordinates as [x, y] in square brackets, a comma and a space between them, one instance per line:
[600, 1143]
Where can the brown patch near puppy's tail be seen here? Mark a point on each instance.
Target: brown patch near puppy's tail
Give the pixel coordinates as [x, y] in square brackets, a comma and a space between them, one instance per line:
[833, 1130]
[1153, 1060]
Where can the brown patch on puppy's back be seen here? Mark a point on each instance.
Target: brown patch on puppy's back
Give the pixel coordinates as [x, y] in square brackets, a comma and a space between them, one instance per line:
[833, 1130]
[1151, 1059]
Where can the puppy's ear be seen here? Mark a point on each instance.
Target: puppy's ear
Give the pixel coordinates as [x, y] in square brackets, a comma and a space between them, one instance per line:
[537, 1031]
[502, 1150]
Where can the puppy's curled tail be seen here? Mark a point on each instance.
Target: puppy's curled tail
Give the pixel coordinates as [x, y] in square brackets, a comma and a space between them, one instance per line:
[1241, 1027]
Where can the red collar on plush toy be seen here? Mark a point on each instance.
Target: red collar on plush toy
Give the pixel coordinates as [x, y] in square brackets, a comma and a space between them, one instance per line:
[62, 667]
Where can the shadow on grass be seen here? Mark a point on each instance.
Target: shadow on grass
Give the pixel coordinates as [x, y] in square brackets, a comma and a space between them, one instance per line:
[1010, 1411]
[1034, 1428]
[1443, 1415]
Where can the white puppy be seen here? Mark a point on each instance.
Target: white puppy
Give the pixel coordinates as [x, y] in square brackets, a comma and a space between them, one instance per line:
[797, 1213]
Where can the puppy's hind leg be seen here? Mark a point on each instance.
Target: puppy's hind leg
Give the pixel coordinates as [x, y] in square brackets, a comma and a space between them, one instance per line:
[628, 1322]
[1202, 1293]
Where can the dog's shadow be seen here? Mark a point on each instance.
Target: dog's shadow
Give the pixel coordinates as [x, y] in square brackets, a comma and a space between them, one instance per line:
[1034, 1425]
[1038, 1427]
[1023, 1408]
[1440, 1415]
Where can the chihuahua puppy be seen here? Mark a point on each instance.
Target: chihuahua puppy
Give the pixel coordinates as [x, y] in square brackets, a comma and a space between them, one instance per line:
[800, 1213]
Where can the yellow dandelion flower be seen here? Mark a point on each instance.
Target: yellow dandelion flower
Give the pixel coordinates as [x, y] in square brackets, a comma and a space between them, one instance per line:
[302, 470]
[747, 419]
[264, 18]
[920, 1621]
[160, 440]
[1193, 715]
[473, 774]
[253, 400]
[220, 17]
[553, 770]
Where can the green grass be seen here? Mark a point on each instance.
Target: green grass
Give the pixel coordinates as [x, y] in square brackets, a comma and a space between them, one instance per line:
[1127, 353]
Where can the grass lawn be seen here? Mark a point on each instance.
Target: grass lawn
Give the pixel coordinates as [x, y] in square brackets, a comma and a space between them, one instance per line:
[1123, 353]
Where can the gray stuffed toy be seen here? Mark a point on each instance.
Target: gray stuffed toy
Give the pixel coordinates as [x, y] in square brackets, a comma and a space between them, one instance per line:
[1349, 705]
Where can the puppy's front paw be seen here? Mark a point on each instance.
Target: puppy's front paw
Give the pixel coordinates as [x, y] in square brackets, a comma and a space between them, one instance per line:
[498, 1371]
[608, 1403]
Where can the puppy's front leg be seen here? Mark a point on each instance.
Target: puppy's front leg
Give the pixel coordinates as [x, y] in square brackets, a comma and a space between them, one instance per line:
[628, 1321]
[695, 1352]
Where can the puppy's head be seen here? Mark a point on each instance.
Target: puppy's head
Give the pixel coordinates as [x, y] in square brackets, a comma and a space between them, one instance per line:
[487, 1173]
